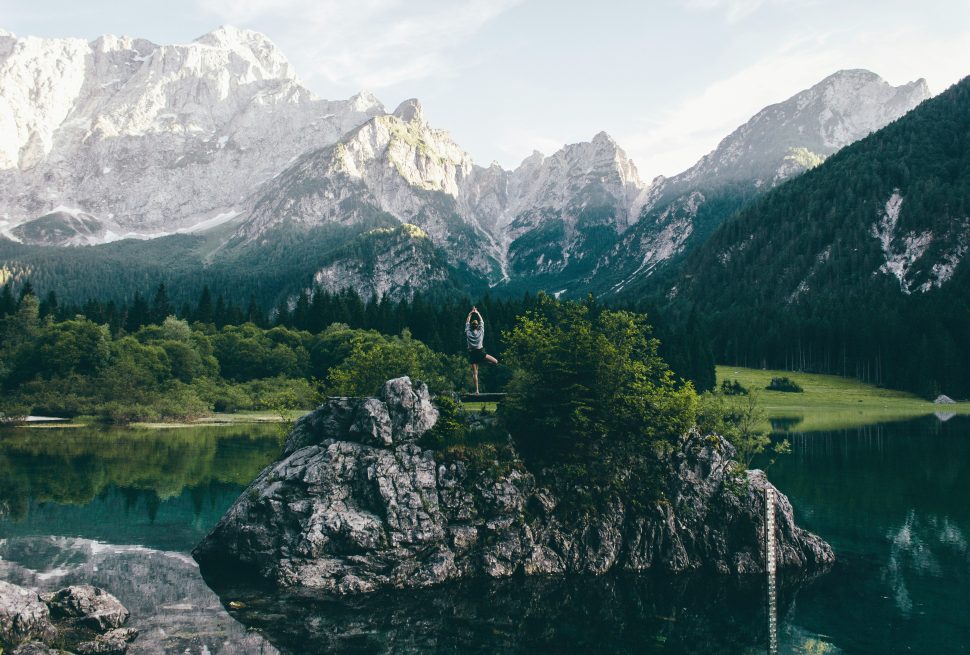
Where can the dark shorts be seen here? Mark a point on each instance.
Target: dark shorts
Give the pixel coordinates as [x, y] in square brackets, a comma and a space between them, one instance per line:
[476, 356]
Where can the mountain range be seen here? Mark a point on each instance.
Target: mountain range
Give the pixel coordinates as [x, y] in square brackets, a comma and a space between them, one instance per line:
[856, 267]
[219, 156]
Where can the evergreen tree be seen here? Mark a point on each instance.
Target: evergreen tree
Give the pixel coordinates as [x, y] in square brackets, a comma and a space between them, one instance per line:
[203, 310]
[253, 313]
[7, 303]
[282, 314]
[48, 307]
[26, 290]
[220, 313]
[139, 314]
[161, 306]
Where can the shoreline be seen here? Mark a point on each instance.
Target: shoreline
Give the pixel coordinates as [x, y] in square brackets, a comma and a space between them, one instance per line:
[831, 402]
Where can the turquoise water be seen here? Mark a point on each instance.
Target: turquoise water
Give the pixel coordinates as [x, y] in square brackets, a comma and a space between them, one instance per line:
[123, 509]
[894, 502]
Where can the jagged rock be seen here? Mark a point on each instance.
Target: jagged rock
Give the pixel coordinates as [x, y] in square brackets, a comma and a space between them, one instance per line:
[113, 642]
[354, 507]
[401, 414]
[88, 606]
[23, 616]
[944, 399]
[35, 648]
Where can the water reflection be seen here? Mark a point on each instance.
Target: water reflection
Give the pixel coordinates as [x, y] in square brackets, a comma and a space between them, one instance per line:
[87, 482]
[170, 605]
[892, 501]
[607, 614]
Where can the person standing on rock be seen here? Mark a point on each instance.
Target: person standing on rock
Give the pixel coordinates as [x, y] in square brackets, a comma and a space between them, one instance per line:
[475, 336]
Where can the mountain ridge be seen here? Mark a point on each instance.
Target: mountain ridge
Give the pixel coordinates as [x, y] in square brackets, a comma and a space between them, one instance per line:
[218, 137]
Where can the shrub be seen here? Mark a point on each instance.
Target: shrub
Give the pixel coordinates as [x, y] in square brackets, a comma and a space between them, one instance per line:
[592, 400]
[372, 362]
[783, 384]
[456, 437]
[733, 388]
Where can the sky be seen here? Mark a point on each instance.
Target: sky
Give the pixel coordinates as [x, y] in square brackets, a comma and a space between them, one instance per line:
[667, 79]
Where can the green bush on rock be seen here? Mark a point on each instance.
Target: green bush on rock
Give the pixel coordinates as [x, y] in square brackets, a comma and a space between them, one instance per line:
[592, 400]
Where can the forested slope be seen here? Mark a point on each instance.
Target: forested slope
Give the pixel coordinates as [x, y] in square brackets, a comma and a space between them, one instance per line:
[856, 266]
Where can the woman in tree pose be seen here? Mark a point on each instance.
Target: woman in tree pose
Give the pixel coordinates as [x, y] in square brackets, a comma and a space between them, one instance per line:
[475, 335]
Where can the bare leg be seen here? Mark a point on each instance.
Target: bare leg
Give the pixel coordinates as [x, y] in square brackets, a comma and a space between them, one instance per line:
[490, 359]
[475, 376]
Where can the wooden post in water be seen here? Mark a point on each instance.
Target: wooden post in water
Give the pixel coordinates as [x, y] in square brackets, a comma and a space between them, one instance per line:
[771, 565]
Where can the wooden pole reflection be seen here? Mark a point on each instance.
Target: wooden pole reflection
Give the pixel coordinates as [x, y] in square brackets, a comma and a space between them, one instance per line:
[770, 570]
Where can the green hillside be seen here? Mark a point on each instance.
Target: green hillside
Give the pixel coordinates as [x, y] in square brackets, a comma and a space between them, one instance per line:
[854, 267]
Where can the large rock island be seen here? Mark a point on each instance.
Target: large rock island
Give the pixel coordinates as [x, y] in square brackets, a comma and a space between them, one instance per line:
[355, 504]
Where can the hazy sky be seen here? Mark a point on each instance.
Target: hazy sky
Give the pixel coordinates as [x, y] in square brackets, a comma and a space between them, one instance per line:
[667, 79]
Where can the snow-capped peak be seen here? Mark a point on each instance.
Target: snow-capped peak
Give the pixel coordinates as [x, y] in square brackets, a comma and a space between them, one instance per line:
[604, 139]
[119, 126]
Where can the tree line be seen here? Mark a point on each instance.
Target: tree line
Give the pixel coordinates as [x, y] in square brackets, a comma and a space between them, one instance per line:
[437, 322]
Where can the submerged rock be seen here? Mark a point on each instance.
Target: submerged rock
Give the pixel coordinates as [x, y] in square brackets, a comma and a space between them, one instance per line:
[90, 606]
[355, 505]
[85, 619]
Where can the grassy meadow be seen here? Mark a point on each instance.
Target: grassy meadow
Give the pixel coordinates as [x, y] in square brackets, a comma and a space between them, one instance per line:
[830, 402]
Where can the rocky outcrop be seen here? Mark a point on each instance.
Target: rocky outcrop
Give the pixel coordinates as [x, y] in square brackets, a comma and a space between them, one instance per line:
[91, 607]
[355, 505]
[172, 608]
[83, 618]
[23, 615]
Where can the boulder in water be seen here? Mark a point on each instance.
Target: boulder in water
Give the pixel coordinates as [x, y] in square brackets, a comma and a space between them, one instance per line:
[85, 619]
[355, 505]
[23, 616]
[89, 606]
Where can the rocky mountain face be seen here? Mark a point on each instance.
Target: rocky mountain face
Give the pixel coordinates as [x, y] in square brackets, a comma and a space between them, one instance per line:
[394, 262]
[565, 210]
[122, 137]
[778, 143]
[533, 220]
[134, 138]
[395, 168]
[355, 505]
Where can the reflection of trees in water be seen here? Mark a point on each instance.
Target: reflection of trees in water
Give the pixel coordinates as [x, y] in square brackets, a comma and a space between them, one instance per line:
[892, 501]
[613, 613]
[169, 602]
[865, 473]
[74, 467]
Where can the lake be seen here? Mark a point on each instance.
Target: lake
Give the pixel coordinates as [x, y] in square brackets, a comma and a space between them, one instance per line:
[122, 509]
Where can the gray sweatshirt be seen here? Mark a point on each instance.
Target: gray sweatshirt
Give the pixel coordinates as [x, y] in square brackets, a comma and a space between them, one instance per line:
[475, 337]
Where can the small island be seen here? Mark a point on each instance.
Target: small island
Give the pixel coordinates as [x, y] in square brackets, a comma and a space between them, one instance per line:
[404, 490]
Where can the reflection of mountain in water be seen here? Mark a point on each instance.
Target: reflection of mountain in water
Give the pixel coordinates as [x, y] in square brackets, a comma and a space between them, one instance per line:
[131, 516]
[606, 614]
[169, 602]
